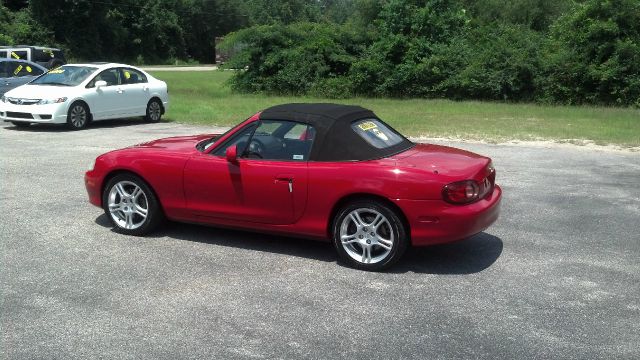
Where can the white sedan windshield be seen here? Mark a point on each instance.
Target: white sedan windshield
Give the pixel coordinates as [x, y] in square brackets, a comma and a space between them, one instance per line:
[67, 75]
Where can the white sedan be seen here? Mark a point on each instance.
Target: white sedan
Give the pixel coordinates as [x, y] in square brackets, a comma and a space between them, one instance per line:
[77, 94]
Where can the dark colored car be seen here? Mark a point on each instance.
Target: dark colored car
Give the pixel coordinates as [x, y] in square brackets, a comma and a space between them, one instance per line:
[45, 56]
[14, 73]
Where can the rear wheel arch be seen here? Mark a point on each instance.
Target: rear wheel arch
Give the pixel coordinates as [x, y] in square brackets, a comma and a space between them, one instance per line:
[364, 196]
[157, 98]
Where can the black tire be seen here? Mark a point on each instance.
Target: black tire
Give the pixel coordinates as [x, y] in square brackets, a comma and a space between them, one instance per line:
[78, 116]
[390, 232]
[154, 111]
[21, 124]
[119, 209]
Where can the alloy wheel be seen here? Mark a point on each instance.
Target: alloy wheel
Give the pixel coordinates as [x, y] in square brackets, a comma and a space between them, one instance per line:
[78, 116]
[366, 236]
[155, 111]
[128, 205]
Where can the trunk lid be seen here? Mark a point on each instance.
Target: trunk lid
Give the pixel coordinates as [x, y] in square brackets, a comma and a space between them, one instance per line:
[456, 164]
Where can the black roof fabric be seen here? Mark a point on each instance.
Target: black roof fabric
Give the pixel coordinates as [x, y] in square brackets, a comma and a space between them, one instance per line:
[335, 140]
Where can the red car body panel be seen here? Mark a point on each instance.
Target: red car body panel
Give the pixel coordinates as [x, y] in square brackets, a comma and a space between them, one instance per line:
[199, 187]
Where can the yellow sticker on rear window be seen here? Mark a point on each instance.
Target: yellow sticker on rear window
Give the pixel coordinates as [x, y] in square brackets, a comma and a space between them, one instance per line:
[15, 55]
[127, 75]
[29, 69]
[367, 125]
[18, 69]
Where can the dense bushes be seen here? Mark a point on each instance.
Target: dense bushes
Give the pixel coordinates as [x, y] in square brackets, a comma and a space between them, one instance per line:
[594, 55]
[150, 31]
[295, 59]
[434, 48]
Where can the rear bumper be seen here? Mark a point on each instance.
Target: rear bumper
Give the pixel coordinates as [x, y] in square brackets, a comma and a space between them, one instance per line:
[436, 222]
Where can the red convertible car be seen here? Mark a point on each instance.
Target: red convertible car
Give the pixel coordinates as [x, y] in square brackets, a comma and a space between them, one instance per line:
[323, 171]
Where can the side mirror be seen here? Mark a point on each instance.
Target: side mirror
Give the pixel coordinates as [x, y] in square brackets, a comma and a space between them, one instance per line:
[232, 154]
[100, 83]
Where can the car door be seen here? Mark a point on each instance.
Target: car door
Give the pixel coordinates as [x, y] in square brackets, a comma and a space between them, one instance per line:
[135, 91]
[106, 102]
[267, 187]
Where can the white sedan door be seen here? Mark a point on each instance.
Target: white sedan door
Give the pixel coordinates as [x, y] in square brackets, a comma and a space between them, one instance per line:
[106, 102]
[135, 89]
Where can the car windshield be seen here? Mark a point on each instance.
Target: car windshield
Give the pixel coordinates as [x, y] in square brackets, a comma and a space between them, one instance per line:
[67, 75]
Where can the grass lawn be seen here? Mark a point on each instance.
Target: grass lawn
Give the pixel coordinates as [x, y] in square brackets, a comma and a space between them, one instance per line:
[204, 98]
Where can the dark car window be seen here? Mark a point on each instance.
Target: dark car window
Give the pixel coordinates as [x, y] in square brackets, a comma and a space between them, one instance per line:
[131, 76]
[376, 133]
[240, 139]
[3, 54]
[3, 69]
[110, 76]
[280, 140]
[18, 69]
[19, 54]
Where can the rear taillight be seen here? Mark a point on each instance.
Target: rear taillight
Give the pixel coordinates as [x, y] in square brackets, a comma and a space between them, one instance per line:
[461, 192]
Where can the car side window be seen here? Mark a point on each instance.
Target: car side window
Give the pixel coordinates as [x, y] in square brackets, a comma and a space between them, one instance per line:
[20, 54]
[22, 69]
[240, 138]
[3, 54]
[3, 69]
[131, 76]
[280, 140]
[110, 76]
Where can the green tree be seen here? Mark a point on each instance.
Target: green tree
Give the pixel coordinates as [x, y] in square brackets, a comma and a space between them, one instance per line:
[594, 55]
[294, 59]
[408, 32]
[538, 15]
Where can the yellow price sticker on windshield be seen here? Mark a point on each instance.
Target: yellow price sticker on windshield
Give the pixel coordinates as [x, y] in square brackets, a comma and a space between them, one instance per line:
[56, 71]
[18, 69]
[127, 75]
[29, 69]
[15, 55]
[367, 125]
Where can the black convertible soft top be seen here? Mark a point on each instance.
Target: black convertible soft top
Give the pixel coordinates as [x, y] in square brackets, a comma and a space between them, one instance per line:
[335, 140]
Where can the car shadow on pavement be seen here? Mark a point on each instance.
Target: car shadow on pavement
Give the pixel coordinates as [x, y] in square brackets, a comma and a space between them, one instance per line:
[94, 125]
[468, 256]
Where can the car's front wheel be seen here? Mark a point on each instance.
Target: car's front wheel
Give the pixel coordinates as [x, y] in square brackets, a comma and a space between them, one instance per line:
[131, 205]
[369, 235]
[78, 116]
[154, 111]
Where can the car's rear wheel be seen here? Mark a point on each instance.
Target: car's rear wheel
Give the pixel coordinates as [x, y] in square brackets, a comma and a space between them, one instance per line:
[369, 235]
[78, 116]
[131, 205]
[20, 124]
[154, 111]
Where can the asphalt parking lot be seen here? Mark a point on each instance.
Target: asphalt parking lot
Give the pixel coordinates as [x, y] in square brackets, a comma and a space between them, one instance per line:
[558, 276]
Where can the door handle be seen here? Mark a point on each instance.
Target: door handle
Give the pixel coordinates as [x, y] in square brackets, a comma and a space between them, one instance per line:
[288, 179]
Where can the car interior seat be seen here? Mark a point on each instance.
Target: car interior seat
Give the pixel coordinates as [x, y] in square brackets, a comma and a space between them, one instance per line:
[133, 79]
[109, 77]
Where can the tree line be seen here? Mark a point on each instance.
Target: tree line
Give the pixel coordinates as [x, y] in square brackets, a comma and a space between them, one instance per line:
[552, 51]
